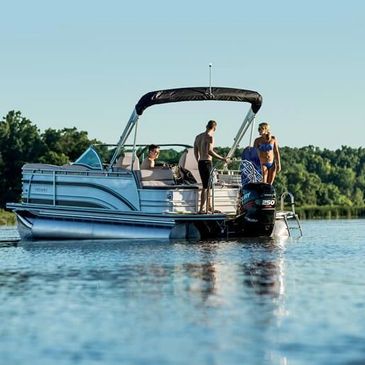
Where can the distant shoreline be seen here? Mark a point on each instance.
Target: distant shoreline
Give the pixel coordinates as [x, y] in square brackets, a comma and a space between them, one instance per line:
[329, 212]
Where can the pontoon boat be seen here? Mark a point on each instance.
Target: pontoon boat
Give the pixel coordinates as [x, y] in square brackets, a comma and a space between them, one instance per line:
[89, 199]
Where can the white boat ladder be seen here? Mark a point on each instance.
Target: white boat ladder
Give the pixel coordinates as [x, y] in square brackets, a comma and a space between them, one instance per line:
[290, 216]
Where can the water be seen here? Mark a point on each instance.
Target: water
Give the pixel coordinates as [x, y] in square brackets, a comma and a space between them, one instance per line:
[224, 302]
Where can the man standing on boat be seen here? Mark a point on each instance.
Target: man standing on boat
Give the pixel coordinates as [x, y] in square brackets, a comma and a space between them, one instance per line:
[204, 153]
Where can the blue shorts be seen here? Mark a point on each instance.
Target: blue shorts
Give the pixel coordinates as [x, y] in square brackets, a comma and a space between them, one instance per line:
[269, 165]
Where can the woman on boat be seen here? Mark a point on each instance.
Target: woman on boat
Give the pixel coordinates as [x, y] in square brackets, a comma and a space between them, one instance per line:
[268, 151]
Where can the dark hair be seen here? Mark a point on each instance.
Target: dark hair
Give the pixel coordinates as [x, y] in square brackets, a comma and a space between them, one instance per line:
[152, 147]
[211, 124]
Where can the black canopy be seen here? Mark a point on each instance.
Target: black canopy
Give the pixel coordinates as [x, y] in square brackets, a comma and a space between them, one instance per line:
[197, 94]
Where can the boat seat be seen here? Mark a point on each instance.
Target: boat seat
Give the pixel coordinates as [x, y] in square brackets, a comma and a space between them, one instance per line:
[157, 177]
[125, 161]
[189, 162]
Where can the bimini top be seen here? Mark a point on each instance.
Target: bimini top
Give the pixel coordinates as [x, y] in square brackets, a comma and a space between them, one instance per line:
[198, 94]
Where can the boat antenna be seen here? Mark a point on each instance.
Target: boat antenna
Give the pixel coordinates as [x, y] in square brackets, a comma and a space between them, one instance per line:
[210, 79]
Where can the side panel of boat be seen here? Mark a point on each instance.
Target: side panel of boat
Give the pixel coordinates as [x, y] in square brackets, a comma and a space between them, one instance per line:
[116, 192]
[180, 200]
[173, 200]
[225, 199]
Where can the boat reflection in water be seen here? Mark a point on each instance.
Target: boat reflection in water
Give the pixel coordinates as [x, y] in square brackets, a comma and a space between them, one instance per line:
[239, 294]
[221, 295]
[258, 271]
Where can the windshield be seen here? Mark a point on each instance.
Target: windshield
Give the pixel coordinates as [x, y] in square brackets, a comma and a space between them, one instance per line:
[90, 158]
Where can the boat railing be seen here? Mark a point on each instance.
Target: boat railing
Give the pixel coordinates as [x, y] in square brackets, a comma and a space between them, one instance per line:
[29, 186]
[54, 187]
[54, 175]
[212, 178]
[73, 170]
[246, 173]
[219, 179]
[228, 177]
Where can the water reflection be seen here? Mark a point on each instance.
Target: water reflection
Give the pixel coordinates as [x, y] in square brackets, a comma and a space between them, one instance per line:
[258, 265]
[202, 269]
[225, 302]
[264, 272]
[213, 290]
[215, 273]
[14, 281]
[263, 277]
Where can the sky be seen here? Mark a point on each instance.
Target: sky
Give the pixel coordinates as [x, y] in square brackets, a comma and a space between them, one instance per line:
[85, 64]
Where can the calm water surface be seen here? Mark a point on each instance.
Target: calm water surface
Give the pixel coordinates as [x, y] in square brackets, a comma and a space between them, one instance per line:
[229, 302]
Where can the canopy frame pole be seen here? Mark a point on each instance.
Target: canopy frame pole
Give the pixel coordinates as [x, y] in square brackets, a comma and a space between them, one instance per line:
[123, 138]
[241, 132]
[251, 134]
[134, 144]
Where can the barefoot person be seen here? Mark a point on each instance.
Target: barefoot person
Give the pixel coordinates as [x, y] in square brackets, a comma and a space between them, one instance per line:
[268, 151]
[204, 153]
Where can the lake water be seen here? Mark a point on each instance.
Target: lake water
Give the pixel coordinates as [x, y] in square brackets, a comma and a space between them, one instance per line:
[219, 302]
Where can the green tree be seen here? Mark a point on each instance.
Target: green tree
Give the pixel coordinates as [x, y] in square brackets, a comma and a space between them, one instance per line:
[358, 197]
[170, 156]
[328, 194]
[54, 158]
[344, 179]
[20, 142]
[66, 143]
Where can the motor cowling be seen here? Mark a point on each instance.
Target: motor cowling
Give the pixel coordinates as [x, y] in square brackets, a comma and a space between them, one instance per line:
[257, 208]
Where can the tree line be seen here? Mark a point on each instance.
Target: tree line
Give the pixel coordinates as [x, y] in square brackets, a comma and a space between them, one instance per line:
[316, 177]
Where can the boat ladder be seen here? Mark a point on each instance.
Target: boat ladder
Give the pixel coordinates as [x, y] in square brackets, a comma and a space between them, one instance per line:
[290, 217]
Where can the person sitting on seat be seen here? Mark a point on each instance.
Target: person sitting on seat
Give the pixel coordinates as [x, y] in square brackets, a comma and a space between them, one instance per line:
[153, 153]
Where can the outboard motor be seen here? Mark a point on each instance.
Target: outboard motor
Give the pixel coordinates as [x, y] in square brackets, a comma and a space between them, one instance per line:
[256, 211]
[258, 204]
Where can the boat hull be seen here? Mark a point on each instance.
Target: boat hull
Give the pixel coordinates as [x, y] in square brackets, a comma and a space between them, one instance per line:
[35, 226]
[43, 228]
[58, 224]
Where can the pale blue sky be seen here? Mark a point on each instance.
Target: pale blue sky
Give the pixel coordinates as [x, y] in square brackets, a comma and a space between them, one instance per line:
[86, 64]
